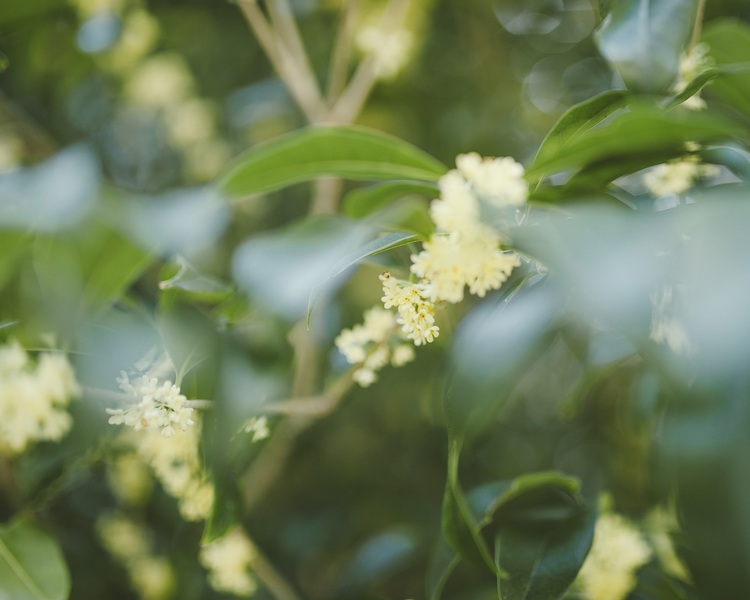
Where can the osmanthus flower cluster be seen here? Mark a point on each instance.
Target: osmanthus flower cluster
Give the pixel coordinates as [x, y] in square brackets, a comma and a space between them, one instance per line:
[463, 253]
[157, 405]
[677, 176]
[34, 396]
[128, 541]
[228, 561]
[374, 344]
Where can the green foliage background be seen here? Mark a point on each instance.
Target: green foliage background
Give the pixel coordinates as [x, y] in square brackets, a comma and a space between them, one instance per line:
[355, 508]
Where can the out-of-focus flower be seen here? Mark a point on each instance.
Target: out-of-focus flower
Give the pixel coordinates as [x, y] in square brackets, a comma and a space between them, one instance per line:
[390, 50]
[228, 561]
[677, 176]
[129, 542]
[177, 465]
[33, 398]
[618, 551]
[692, 65]
[160, 81]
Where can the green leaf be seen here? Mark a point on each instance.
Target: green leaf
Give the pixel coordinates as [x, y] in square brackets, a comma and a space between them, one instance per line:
[540, 563]
[442, 564]
[460, 527]
[644, 40]
[364, 201]
[382, 244]
[31, 564]
[196, 284]
[13, 245]
[347, 152]
[493, 347]
[645, 130]
[729, 44]
[577, 119]
[115, 263]
[280, 269]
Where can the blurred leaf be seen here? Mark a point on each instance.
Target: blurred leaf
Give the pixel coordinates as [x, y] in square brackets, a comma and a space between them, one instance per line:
[643, 131]
[281, 269]
[13, 245]
[382, 244]
[55, 194]
[644, 40]
[460, 527]
[493, 345]
[225, 512]
[728, 43]
[117, 263]
[31, 564]
[178, 221]
[197, 285]
[377, 559]
[695, 86]
[348, 152]
[364, 201]
[577, 119]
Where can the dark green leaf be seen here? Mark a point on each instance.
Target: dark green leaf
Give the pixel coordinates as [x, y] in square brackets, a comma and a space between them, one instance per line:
[383, 244]
[541, 563]
[364, 201]
[31, 564]
[460, 528]
[348, 152]
[577, 119]
[644, 40]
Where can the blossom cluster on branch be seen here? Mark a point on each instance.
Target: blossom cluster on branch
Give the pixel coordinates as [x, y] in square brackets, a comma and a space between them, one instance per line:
[464, 252]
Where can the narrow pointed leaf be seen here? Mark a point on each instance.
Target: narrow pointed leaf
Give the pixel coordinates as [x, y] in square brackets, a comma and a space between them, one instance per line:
[348, 152]
[579, 118]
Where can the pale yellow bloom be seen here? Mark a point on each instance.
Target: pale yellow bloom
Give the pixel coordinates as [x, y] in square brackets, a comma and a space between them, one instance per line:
[33, 398]
[677, 176]
[228, 561]
[618, 551]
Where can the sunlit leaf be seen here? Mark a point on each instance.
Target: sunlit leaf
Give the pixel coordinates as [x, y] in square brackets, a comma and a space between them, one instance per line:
[577, 119]
[644, 40]
[31, 564]
[347, 152]
[643, 131]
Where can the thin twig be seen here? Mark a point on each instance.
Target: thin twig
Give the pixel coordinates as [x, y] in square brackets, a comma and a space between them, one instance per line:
[273, 581]
[342, 51]
[288, 32]
[300, 82]
[697, 26]
[269, 465]
[353, 98]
